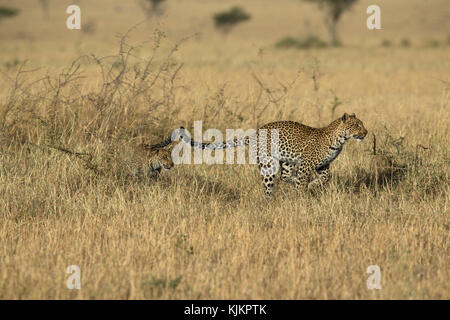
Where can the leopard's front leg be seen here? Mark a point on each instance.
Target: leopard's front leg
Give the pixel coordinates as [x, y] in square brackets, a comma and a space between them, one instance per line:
[302, 177]
[268, 169]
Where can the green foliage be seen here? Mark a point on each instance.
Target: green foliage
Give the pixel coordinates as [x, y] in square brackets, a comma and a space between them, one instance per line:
[6, 12]
[227, 19]
[309, 42]
[287, 42]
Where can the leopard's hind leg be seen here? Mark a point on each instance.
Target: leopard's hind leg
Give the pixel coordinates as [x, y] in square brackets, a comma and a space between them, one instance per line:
[322, 176]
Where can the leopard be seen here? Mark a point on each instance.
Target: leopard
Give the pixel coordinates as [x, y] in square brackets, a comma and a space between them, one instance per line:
[150, 161]
[301, 151]
[160, 160]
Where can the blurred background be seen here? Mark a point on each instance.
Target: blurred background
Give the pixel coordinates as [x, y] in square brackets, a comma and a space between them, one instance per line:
[39, 27]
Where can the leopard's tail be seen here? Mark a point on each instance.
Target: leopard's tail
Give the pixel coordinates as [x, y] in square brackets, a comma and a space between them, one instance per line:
[181, 133]
[160, 145]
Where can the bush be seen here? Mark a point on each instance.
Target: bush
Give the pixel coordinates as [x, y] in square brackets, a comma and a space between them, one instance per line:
[287, 42]
[306, 43]
[104, 119]
[433, 43]
[405, 43]
[228, 19]
[12, 64]
[6, 12]
[152, 7]
[386, 43]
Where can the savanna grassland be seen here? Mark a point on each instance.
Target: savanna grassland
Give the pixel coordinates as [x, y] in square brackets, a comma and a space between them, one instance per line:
[206, 231]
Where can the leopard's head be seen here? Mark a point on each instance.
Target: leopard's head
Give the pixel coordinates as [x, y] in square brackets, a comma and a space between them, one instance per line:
[352, 127]
[161, 159]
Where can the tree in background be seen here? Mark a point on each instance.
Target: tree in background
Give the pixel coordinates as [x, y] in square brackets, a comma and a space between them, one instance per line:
[226, 20]
[44, 6]
[334, 9]
[6, 12]
[152, 7]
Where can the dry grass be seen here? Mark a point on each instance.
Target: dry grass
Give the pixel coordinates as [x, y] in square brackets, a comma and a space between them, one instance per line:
[202, 231]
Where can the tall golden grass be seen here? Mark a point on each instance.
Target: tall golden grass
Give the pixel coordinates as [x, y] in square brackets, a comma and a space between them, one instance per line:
[206, 231]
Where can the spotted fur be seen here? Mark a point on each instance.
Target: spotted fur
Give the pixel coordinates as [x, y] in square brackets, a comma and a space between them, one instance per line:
[301, 150]
[150, 161]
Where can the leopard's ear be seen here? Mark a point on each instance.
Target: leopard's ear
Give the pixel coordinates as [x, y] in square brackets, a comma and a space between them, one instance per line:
[353, 115]
[345, 117]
